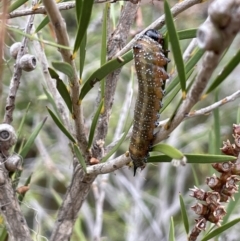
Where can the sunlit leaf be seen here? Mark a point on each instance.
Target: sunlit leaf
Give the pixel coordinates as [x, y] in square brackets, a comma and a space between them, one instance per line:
[79, 157]
[103, 71]
[184, 214]
[221, 229]
[192, 158]
[94, 123]
[84, 19]
[176, 50]
[31, 139]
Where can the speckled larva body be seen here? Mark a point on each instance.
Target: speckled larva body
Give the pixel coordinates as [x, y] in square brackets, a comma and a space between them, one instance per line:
[149, 63]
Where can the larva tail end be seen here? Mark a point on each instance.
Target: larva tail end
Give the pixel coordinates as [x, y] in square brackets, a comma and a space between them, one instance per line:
[134, 170]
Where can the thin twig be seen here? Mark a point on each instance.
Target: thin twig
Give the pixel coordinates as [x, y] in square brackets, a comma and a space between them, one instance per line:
[62, 38]
[210, 108]
[15, 81]
[158, 24]
[40, 10]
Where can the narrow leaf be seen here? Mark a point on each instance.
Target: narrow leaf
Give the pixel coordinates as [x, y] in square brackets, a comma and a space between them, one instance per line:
[65, 68]
[189, 66]
[104, 44]
[171, 231]
[187, 33]
[78, 7]
[16, 5]
[31, 139]
[94, 123]
[103, 71]
[231, 65]
[184, 214]
[19, 131]
[168, 150]
[32, 37]
[192, 158]
[62, 89]
[53, 73]
[80, 157]
[61, 126]
[84, 20]
[51, 100]
[82, 53]
[115, 148]
[43, 23]
[232, 205]
[177, 53]
[221, 229]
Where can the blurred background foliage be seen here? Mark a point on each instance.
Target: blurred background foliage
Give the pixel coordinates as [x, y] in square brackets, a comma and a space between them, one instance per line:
[135, 208]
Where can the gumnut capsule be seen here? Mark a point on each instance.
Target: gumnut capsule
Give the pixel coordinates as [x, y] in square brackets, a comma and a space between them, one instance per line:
[14, 49]
[28, 62]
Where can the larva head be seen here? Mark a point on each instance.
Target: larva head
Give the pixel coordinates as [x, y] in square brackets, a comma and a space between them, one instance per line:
[155, 35]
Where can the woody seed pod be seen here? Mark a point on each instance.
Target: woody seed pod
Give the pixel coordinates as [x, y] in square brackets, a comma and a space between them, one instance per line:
[14, 49]
[28, 62]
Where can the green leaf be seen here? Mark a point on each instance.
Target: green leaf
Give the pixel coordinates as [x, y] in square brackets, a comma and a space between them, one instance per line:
[103, 71]
[31, 139]
[62, 89]
[189, 66]
[195, 176]
[238, 115]
[184, 214]
[32, 37]
[220, 230]
[61, 126]
[232, 205]
[104, 44]
[168, 150]
[84, 20]
[4, 234]
[187, 33]
[80, 157]
[43, 23]
[192, 158]
[231, 65]
[78, 7]
[53, 73]
[16, 5]
[51, 100]
[115, 148]
[19, 131]
[94, 123]
[173, 94]
[65, 68]
[171, 231]
[82, 53]
[177, 53]
[56, 196]
[79, 230]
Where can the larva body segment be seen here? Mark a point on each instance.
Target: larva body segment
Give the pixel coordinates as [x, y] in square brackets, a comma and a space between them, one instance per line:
[149, 63]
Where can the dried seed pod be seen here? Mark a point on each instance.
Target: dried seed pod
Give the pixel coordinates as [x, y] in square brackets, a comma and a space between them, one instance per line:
[28, 62]
[7, 138]
[14, 49]
[13, 163]
[198, 193]
[200, 209]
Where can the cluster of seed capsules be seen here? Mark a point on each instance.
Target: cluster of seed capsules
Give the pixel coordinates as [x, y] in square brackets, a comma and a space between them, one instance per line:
[223, 187]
